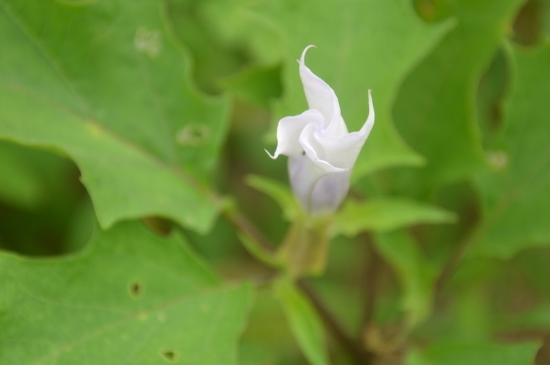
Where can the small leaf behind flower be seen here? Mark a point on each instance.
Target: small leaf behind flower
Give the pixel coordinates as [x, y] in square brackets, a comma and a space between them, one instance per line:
[387, 214]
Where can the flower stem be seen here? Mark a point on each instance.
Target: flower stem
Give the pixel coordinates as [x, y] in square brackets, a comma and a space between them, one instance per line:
[258, 245]
[456, 258]
[370, 285]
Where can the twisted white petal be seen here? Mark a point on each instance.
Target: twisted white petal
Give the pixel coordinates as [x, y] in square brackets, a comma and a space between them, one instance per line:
[322, 152]
[321, 97]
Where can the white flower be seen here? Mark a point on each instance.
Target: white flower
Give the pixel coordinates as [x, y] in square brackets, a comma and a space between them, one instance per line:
[321, 151]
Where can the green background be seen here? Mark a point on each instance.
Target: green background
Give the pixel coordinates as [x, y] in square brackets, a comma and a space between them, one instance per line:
[127, 129]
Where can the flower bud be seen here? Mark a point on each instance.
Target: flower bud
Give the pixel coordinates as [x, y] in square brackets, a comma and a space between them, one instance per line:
[321, 151]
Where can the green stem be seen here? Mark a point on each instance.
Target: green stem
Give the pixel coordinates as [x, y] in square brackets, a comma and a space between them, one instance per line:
[456, 258]
[261, 248]
[371, 285]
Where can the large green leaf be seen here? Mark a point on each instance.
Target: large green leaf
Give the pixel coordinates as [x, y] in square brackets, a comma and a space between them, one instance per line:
[478, 354]
[131, 297]
[362, 45]
[107, 84]
[435, 109]
[517, 192]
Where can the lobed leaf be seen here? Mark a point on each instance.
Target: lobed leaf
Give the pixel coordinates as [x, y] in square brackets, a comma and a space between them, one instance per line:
[105, 83]
[435, 107]
[516, 192]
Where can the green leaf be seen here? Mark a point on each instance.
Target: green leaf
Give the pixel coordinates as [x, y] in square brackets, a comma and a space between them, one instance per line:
[476, 354]
[268, 338]
[106, 84]
[435, 108]
[361, 45]
[258, 251]
[277, 191]
[386, 214]
[212, 58]
[131, 297]
[516, 194]
[416, 277]
[305, 325]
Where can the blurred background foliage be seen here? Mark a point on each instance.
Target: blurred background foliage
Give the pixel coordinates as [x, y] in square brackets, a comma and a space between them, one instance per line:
[462, 93]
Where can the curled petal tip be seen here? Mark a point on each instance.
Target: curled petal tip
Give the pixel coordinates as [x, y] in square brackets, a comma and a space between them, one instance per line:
[273, 157]
[371, 106]
[302, 59]
[365, 130]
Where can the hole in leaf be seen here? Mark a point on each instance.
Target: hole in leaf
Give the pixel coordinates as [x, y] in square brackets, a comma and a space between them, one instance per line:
[169, 355]
[193, 135]
[136, 289]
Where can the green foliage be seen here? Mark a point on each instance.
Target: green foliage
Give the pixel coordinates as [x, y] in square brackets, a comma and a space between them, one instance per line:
[278, 192]
[131, 295]
[435, 107]
[415, 275]
[304, 322]
[352, 60]
[386, 214]
[139, 123]
[258, 85]
[482, 354]
[139, 133]
[515, 192]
